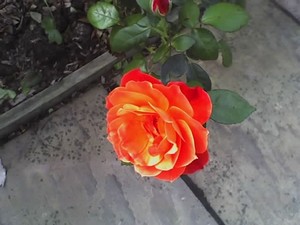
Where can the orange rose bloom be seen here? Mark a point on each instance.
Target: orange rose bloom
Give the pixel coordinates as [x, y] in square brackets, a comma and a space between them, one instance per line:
[158, 128]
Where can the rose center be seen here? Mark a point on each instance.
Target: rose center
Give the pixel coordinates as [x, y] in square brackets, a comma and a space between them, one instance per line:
[150, 126]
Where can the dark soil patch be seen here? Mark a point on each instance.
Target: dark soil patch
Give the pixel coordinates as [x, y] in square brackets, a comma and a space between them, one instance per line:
[25, 51]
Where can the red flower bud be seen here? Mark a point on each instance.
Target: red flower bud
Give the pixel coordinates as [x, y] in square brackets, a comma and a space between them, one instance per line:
[161, 6]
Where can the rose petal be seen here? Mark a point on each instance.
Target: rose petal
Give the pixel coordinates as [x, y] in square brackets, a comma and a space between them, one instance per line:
[115, 140]
[170, 133]
[200, 134]
[169, 160]
[176, 97]
[150, 126]
[112, 113]
[116, 122]
[138, 75]
[199, 100]
[197, 164]
[166, 164]
[121, 96]
[145, 159]
[134, 144]
[167, 118]
[135, 110]
[160, 146]
[187, 152]
[171, 175]
[149, 171]
[159, 99]
[173, 149]
[108, 104]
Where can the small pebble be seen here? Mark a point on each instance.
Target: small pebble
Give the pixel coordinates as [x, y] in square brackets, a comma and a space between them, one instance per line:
[2, 175]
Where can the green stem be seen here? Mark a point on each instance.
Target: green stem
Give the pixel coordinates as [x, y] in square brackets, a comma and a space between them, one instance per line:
[163, 35]
[49, 8]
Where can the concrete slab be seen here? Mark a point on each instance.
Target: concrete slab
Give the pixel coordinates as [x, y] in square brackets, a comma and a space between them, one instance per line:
[290, 6]
[63, 171]
[253, 177]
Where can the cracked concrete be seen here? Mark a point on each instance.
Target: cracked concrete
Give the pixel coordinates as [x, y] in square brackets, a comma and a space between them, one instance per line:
[253, 177]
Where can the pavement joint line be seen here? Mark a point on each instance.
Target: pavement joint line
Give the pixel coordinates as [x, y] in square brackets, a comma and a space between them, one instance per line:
[200, 195]
[286, 11]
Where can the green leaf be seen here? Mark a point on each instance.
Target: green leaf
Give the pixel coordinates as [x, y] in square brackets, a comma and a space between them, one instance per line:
[7, 93]
[194, 83]
[31, 78]
[179, 2]
[11, 94]
[119, 65]
[229, 107]
[161, 53]
[226, 17]
[103, 15]
[183, 43]
[137, 61]
[48, 24]
[189, 14]
[205, 47]
[144, 4]
[132, 19]
[226, 53]
[126, 163]
[197, 74]
[3, 93]
[36, 16]
[131, 36]
[162, 25]
[55, 36]
[175, 66]
[153, 19]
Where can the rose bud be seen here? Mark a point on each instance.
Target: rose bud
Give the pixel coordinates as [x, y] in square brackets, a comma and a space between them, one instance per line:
[162, 7]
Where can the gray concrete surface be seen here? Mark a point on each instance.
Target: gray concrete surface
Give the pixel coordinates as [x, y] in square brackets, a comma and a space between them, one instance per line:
[253, 177]
[291, 6]
[63, 171]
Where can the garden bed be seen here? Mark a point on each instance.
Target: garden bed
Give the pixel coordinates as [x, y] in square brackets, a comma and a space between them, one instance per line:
[42, 74]
[12, 119]
[30, 60]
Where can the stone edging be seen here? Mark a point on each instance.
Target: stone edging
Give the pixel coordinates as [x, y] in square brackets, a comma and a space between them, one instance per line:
[22, 113]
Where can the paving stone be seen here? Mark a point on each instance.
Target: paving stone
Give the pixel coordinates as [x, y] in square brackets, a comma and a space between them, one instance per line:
[253, 177]
[64, 172]
[291, 6]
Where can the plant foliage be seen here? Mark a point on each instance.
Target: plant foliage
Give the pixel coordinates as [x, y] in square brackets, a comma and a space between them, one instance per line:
[182, 33]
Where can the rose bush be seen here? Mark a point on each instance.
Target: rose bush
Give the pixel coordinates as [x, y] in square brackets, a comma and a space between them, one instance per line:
[159, 128]
[158, 125]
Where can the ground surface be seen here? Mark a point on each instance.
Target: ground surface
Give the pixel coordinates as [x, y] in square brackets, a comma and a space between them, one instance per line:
[291, 7]
[253, 177]
[28, 62]
[64, 172]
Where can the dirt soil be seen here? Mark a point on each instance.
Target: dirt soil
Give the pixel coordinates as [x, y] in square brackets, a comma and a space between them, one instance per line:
[29, 63]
